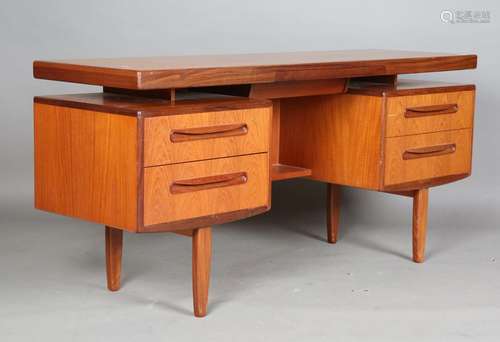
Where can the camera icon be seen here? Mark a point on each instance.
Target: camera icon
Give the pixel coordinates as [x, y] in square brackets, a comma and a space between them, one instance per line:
[448, 17]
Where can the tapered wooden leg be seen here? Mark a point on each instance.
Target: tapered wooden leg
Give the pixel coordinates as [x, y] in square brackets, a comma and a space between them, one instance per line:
[420, 204]
[332, 212]
[114, 244]
[202, 254]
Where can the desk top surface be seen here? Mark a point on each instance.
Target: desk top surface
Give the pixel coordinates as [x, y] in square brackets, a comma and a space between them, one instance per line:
[211, 70]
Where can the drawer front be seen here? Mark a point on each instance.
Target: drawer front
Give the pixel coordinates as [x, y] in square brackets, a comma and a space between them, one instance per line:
[189, 137]
[427, 156]
[196, 189]
[429, 113]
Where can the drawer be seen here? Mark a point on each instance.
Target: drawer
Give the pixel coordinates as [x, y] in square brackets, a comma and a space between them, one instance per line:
[190, 137]
[429, 113]
[196, 189]
[427, 156]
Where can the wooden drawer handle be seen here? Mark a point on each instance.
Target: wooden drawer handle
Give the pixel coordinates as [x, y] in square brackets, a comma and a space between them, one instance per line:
[430, 151]
[204, 183]
[416, 112]
[190, 134]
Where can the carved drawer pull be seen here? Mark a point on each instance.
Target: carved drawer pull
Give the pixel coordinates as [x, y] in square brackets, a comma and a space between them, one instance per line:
[430, 151]
[416, 112]
[190, 134]
[204, 183]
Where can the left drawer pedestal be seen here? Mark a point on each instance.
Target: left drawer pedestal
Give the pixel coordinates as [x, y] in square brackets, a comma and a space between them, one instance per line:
[148, 165]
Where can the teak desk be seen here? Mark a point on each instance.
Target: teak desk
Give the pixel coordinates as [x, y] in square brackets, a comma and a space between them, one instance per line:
[178, 144]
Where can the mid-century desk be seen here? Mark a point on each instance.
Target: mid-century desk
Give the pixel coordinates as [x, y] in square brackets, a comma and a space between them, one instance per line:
[178, 144]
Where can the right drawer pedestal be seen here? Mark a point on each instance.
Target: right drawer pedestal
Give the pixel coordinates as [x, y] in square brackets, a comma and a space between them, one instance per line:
[399, 139]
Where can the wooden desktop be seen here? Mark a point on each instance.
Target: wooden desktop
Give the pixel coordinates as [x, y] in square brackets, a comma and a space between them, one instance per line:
[178, 144]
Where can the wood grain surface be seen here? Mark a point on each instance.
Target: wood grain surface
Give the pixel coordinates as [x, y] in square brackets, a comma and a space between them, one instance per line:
[210, 70]
[282, 172]
[114, 247]
[420, 209]
[404, 87]
[398, 170]
[333, 205]
[160, 149]
[338, 137]
[399, 124]
[86, 165]
[161, 205]
[202, 259]
[280, 90]
[186, 103]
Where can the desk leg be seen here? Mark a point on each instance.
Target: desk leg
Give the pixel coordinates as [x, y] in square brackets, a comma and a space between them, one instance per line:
[332, 212]
[202, 253]
[114, 243]
[420, 204]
